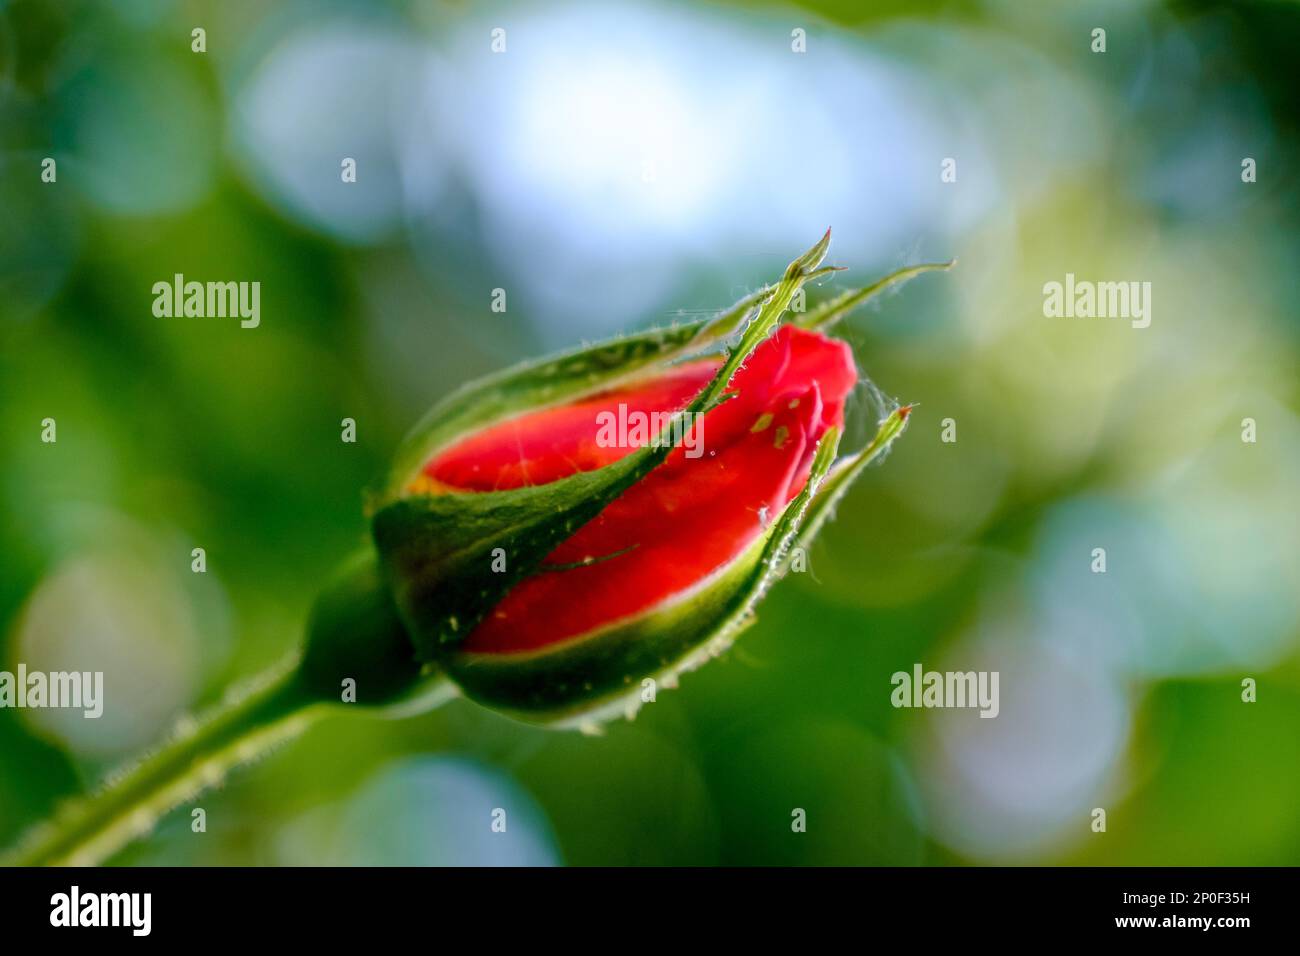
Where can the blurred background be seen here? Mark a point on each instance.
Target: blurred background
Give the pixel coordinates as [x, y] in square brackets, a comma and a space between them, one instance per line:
[618, 166]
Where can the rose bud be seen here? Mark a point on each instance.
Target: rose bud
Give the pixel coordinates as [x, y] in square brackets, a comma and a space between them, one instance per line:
[546, 569]
[640, 588]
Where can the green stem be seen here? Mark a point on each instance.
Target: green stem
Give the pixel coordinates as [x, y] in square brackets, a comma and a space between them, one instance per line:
[91, 829]
[356, 654]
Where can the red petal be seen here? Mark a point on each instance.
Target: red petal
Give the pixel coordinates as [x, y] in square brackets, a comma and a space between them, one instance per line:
[541, 447]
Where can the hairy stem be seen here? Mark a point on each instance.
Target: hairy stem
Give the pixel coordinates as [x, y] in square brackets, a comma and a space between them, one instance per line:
[92, 828]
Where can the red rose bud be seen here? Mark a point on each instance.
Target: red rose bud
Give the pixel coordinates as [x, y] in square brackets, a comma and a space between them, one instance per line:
[553, 535]
[638, 590]
[680, 525]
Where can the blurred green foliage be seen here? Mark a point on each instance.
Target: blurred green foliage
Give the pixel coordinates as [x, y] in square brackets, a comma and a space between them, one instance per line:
[1122, 692]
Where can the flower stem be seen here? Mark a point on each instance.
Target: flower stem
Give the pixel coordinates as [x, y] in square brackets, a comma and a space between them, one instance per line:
[91, 829]
[356, 655]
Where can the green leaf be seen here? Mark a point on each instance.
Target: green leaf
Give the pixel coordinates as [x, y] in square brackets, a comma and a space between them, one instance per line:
[438, 551]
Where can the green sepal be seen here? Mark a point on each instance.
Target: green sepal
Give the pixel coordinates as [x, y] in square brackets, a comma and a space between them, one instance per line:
[847, 470]
[597, 676]
[442, 554]
[830, 312]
